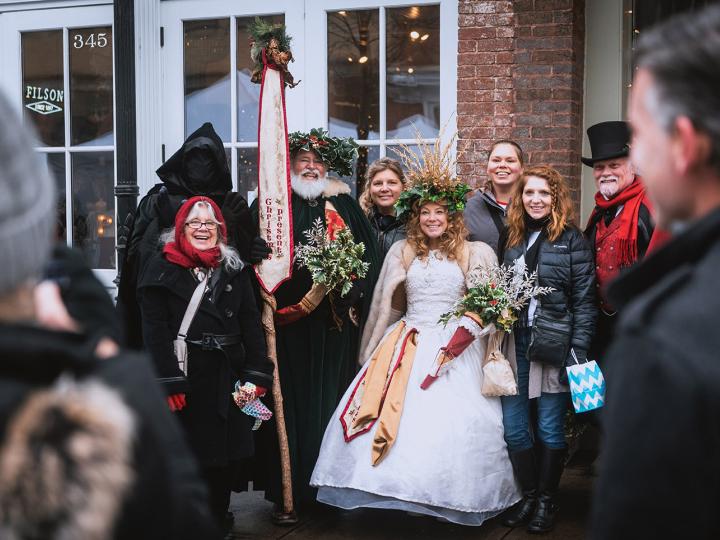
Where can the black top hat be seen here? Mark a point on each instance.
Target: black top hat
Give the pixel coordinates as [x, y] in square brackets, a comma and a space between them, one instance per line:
[608, 140]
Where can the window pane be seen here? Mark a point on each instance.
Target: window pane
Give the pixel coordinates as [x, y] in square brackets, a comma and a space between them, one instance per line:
[392, 152]
[248, 93]
[366, 155]
[42, 85]
[93, 207]
[207, 75]
[56, 168]
[91, 86]
[353, 74]
[247, 173]
[413, 72]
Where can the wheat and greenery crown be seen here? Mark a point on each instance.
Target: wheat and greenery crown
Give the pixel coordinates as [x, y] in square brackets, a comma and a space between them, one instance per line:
[430, 175]
[338, 153]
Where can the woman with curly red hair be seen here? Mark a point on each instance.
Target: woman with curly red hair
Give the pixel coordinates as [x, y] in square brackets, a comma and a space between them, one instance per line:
[540, 235]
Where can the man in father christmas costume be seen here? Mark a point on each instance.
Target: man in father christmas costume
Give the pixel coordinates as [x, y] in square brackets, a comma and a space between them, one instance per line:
[620, 228]
[317, 358]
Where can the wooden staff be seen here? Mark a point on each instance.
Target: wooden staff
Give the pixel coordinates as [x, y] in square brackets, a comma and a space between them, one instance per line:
[268, 322]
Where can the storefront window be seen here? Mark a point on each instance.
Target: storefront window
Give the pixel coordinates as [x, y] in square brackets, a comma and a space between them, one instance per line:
[91, 86]
[353, 74]
[383, 91]
[413, 72]
[207, 75]
[67, 89]
[43, 89]
[93, 204]
[641, 15]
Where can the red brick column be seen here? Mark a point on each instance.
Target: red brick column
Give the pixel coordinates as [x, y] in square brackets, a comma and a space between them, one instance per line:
[520, 76]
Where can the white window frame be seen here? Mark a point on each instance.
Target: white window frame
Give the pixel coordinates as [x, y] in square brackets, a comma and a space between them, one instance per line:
[172, 16]
[12, 25]
[316, 25]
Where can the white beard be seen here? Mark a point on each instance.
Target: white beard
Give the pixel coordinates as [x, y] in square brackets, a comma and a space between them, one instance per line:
[308, 189]
[608, 191]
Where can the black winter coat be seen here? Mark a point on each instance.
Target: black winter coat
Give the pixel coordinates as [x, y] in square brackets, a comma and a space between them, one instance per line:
[388, 230]
[167, 500]
[219, 431]
[659, 474]
[567, 265]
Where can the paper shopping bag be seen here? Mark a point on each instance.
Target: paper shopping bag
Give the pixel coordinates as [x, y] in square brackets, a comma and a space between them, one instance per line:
[587, 386]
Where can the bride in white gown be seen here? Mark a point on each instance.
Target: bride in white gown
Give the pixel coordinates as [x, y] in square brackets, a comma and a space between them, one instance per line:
[438, 451]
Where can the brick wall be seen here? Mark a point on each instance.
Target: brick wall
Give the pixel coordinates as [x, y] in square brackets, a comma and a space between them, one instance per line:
[520, 76]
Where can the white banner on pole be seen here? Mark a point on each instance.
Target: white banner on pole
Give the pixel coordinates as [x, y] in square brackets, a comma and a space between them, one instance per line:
[274, 201]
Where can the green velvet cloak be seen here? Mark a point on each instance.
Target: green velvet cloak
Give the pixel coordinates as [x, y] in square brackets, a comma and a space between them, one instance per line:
[316, 361]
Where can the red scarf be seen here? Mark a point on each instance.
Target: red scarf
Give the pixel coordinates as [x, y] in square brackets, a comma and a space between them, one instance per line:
[181, 251]
[631, 197]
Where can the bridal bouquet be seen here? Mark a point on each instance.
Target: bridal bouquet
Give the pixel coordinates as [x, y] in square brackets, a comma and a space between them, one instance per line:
[334, 262]
[493, 303]
[497, 295]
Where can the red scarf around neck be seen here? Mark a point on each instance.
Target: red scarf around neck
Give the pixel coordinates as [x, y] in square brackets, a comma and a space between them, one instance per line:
[631, 197]
[181, 252]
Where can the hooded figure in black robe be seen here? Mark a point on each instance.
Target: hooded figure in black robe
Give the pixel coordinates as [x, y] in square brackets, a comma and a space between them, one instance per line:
[199, 167]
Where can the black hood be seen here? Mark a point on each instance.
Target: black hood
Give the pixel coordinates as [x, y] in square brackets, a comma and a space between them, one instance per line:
[199, 167]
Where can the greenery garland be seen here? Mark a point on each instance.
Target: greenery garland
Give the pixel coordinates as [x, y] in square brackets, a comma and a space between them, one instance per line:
[338, 153]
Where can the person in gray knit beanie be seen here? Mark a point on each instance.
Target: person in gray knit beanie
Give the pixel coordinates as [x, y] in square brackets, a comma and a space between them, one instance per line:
[27, 205]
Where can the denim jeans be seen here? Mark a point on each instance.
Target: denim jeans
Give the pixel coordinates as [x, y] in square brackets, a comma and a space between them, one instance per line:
[551, 408]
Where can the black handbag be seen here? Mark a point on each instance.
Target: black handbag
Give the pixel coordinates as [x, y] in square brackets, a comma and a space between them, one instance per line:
[550, 337]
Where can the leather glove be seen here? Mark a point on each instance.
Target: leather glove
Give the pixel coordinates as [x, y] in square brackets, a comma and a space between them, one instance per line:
[259, 250]
[176, 402]
[165, 211]
[239, 223]
[570, 361]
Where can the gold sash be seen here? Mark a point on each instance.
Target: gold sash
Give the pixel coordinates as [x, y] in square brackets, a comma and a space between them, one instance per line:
[380, 393]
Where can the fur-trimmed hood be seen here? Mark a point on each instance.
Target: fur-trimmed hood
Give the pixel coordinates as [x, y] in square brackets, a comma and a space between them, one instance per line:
[66, 463]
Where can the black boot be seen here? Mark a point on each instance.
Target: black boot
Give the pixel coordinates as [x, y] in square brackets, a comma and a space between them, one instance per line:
[525, 468]
[551, 468]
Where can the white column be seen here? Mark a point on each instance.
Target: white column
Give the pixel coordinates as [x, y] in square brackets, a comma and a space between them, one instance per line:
[148, 92]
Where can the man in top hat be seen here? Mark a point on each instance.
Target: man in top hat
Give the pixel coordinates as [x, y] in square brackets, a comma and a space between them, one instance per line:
[620, 227]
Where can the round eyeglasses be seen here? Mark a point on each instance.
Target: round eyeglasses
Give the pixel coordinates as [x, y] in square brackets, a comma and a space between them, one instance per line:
[197, 224]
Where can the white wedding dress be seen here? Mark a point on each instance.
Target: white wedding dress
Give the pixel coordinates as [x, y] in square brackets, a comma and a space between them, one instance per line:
[449, 459]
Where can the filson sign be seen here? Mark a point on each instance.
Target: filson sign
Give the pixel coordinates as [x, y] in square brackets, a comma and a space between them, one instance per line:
[46, 97]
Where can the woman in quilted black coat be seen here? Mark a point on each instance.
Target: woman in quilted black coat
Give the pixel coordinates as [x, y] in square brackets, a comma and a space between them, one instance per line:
[539, 232]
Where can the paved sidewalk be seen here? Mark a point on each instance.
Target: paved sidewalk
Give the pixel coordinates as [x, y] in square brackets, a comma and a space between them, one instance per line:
[252, 520]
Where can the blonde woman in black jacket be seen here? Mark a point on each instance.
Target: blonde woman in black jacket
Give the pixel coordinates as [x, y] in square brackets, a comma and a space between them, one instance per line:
[384, 182]
[539, 231]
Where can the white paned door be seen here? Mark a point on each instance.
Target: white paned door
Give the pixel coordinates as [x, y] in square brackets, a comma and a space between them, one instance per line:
[58, 73]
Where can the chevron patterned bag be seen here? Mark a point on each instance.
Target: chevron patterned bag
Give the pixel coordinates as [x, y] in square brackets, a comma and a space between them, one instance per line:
[587, 385]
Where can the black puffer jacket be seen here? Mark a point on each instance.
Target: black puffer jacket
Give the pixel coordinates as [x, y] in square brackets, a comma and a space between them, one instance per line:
[388, 230]
[567, 265]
